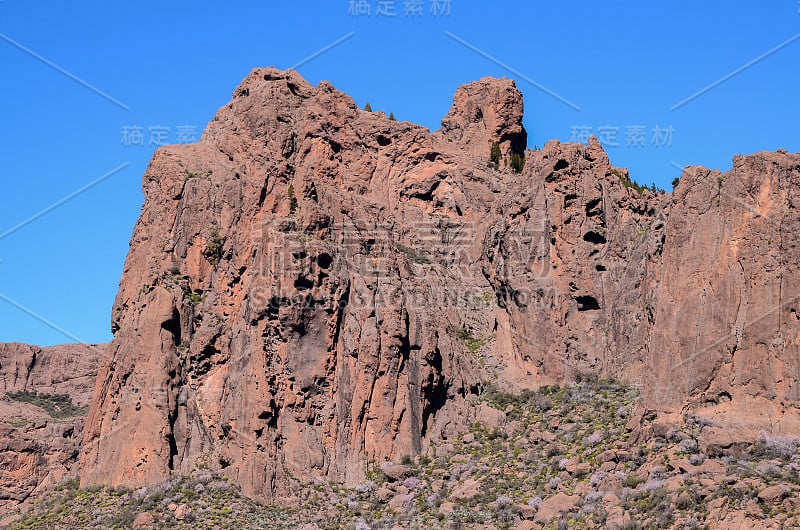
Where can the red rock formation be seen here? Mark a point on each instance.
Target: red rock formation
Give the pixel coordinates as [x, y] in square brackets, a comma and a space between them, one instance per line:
[37, 450]
[483, 113]
[312, 287]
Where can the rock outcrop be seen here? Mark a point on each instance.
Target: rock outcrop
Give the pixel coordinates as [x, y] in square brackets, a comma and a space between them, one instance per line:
[313, 288]
[41, 432]
[483, 113]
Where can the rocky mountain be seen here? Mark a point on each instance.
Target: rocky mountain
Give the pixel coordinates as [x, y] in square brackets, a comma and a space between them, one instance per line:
[313, 288]
[45, 396]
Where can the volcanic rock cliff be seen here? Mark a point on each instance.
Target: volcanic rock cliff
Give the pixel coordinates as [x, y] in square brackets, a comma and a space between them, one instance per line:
[41, 432]
[312, 288]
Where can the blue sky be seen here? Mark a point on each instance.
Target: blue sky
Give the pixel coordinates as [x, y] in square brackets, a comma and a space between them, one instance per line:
[77, 74]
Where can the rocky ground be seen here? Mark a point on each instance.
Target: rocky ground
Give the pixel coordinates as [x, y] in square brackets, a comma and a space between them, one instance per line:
[585, 455]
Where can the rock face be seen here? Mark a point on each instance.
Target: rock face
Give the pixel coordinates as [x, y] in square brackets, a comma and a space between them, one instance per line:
[40, 447]
[313, 288]
[483, 113]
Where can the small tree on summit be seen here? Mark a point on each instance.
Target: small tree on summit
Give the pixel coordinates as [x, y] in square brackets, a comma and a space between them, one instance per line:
[368, 107]
[391, 117]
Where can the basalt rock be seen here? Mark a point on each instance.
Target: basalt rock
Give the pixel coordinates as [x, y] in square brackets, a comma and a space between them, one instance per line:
[313, 289]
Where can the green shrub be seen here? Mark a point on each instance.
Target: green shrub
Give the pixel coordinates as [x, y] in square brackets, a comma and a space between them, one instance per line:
[56, 405]
[213, 250]
[292, 200]
[632, 481]
[188, 175]
[473, 343]
[517, 162]
[413, 255]
[627, 182]
[494, 155]
[194, 298]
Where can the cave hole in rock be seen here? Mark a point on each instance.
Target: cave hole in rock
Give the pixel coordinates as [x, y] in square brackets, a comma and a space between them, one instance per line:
[336, 147]
[434, 391]
[173, 325]
[275, 303]
[561, 164]
[591, 207]
[202, 362]
[587, 303]
[299, 329]
[173, 446]
[383, 141]
[295, 90]
[595, 238]
[324, 260]
[303, 284]
[271, 415]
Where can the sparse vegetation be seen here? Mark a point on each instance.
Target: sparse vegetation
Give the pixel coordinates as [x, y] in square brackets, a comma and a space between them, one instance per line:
[629, 183]
[193, 297]
[204, 500]
[58, 406]
[188, 175]
[560, 454]
[368, 107]
[473, 343]
[213, 250]
[413, 255]
[486, 298]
